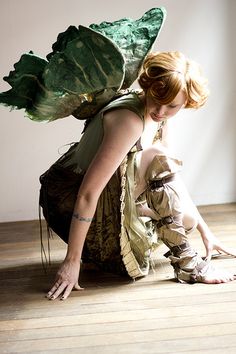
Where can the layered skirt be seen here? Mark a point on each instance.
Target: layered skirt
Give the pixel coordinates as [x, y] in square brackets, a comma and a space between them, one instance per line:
[118, 240]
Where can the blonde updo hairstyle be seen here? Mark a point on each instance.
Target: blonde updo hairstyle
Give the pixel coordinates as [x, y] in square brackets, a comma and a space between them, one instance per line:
[164, 74]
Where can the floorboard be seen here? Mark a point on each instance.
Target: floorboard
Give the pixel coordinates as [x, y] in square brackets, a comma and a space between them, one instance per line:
[113, 314]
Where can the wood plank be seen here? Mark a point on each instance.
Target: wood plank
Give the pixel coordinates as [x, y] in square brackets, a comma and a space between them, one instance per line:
[167, 335]
[124, 325]
[113, 314]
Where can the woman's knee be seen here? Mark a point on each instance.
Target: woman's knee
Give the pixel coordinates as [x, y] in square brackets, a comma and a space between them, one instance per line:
[189, 222]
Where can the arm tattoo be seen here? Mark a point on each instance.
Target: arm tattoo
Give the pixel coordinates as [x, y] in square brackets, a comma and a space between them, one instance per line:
[81, 218]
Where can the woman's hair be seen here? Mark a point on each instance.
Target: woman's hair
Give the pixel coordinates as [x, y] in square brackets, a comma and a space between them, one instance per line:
[163, 75]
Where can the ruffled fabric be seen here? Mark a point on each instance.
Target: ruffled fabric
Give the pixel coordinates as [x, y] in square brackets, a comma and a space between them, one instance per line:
[136, 241]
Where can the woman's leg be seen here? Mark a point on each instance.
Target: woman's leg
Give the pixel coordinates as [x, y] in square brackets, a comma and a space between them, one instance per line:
[188, 265]
[174, 212]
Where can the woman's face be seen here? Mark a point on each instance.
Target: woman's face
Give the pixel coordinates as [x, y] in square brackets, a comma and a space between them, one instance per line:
[159, 113]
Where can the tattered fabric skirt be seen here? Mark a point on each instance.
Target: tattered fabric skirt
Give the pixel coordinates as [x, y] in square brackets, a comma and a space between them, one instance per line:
[116, 241]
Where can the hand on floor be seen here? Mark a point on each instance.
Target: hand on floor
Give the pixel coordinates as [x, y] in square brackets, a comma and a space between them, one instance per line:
[66, 280]
[211, 244]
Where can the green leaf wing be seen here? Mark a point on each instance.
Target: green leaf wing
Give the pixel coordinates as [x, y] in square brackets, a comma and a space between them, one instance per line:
[85, 70]
[89, 64]
[25, 81]
[134, 39]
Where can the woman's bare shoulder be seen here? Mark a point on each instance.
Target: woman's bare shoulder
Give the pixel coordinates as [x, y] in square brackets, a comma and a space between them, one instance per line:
[121, 118]
[122, 127]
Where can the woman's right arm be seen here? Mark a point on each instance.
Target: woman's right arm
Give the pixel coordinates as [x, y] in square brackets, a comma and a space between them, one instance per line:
[122, 128]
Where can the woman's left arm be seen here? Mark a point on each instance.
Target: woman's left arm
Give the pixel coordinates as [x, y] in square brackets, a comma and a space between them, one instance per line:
[210, 241]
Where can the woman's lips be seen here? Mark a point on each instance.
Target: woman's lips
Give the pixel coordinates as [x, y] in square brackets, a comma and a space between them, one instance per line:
[157, 117]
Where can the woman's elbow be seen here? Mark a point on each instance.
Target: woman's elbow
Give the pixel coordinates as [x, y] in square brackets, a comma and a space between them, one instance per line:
[88, 198]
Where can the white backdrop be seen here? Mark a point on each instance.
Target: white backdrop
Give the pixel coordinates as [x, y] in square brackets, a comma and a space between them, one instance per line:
[203, 29]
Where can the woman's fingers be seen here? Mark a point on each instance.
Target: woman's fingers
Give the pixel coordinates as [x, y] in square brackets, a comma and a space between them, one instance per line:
[214, 244]
[225, 250]
[67, 292]
[221, 249]
[53, 289]
[66, 278]
[64, 290]
[58, 290]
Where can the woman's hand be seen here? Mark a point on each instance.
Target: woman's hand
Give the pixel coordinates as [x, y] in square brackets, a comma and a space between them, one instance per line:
[66, 279]
[211, 244]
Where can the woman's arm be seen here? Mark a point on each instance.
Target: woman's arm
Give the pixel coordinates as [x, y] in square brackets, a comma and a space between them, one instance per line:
[210, 241]
[192, 218]
[122, 128]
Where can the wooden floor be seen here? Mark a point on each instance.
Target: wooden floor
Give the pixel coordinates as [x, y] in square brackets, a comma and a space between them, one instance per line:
[114, 315]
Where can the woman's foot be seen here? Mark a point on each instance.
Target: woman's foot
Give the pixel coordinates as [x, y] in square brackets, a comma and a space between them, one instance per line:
[217, 276]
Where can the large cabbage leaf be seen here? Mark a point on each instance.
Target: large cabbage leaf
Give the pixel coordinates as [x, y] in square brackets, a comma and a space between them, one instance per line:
[85, 70]
[134, 39]
[89, 63]
[25, 81]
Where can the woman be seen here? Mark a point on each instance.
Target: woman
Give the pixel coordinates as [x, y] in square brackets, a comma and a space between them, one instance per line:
[132, 122]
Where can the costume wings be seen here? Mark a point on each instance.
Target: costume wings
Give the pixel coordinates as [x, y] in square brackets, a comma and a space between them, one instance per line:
[85, 70]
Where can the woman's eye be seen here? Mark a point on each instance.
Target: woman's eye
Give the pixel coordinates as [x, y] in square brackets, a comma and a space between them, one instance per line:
[172, 106]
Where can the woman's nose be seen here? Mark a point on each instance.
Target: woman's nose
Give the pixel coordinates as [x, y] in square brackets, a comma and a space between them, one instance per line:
[160, 110]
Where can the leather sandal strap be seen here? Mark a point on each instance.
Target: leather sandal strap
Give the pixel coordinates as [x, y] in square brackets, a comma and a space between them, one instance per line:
[158, 183]
[167, 220]
[177, 250]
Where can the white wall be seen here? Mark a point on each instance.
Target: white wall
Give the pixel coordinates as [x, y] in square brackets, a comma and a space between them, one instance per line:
[205, 139]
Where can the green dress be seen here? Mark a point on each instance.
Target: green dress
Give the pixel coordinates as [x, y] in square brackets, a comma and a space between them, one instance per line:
[118, 240]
